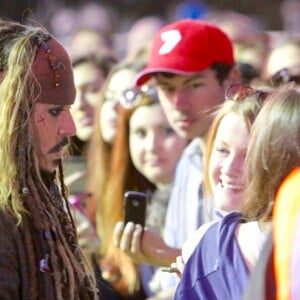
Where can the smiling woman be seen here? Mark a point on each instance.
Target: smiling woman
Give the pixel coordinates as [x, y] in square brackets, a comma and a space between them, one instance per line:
[226, 149]
[226, 240]
[226, 164]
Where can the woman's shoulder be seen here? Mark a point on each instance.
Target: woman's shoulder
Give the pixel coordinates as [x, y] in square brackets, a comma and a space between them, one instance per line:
[195, 238]
[251, 239]
[216, 228]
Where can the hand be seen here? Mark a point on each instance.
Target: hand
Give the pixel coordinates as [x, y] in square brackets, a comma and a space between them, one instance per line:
[128, 239]
[143, 246]
[176, 267]
[179, 265]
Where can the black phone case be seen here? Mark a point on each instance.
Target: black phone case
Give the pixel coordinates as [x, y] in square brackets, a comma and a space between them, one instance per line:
[135, 207]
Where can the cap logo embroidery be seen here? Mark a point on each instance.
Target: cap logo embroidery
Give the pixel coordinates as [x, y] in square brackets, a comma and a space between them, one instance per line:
[171, 38]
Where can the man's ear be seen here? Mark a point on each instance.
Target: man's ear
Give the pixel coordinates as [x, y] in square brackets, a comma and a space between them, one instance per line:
[233, 77]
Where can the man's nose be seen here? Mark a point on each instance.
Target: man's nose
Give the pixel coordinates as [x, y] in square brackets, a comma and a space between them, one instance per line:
[67, 127]
[180, 100]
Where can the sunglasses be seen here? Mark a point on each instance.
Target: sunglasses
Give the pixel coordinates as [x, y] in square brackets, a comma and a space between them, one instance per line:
[284, 76]
[134, 96]
[238, 92]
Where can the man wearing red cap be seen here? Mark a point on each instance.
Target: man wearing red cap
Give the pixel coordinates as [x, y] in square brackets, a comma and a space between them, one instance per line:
[39, 253]
[192, 64]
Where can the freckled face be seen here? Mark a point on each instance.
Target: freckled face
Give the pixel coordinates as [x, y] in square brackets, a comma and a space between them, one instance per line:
[53, 125]
[154, 146]
[226, 165]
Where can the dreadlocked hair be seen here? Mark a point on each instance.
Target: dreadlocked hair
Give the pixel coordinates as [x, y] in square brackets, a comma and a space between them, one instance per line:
[48, 232]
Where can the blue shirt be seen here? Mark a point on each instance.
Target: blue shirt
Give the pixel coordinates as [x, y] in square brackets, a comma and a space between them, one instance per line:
[216, 269]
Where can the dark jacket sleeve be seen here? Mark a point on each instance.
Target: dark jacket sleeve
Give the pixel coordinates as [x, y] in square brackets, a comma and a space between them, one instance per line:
[10, 283]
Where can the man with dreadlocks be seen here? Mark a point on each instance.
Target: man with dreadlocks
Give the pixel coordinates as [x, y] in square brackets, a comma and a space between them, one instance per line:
[39, 252]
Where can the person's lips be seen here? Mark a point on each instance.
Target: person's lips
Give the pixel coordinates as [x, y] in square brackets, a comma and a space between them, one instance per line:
[59, 146]
[231, 185]
[185, 122]
[155, 161]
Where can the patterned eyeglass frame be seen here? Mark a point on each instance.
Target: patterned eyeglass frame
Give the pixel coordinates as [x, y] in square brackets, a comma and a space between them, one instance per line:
[133, 96]
[238, 92]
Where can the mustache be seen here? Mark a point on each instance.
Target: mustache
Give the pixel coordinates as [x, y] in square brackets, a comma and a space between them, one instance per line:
[60, 145]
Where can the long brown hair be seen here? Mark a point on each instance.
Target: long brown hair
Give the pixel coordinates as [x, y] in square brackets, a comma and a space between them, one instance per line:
[99, 151]
[123, 176]
[273, 152]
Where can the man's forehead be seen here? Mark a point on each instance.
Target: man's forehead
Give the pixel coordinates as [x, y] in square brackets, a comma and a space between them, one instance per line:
[173, 77]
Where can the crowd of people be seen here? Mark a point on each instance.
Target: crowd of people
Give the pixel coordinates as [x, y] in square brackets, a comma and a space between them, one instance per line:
[200, 115]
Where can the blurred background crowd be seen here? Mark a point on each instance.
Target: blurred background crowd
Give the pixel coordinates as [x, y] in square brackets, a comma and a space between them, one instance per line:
[115, 19]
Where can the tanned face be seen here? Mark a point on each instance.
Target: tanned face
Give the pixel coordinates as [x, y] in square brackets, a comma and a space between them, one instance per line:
[188, 100]
[53, 126]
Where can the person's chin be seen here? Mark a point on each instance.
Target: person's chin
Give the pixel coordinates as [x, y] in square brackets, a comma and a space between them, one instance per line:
[185, 133]
[51, 167]
[229, 203]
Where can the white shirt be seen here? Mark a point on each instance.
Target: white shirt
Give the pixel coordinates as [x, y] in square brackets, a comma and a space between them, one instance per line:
[185, 212]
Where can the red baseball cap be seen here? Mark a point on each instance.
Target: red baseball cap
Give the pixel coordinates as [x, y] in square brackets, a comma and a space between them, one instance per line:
[187, 47]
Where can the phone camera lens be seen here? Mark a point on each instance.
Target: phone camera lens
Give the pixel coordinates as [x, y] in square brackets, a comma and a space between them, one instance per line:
[135, 202]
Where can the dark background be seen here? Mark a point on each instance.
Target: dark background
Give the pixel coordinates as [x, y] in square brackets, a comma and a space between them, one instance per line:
[267, 11]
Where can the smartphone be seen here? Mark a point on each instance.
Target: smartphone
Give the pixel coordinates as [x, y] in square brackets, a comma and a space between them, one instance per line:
[135, 204]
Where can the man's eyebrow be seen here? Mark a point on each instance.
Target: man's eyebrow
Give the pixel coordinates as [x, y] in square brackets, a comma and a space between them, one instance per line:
[57, 106]
[161, 81]
[193, 77]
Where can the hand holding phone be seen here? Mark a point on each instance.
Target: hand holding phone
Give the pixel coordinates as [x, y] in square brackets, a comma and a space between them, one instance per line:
[135, 207]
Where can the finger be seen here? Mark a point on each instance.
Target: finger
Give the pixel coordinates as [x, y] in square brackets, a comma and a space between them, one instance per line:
[117, 234]
[179, 259]
[125, 242]
[136, 239]
[180, 263]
